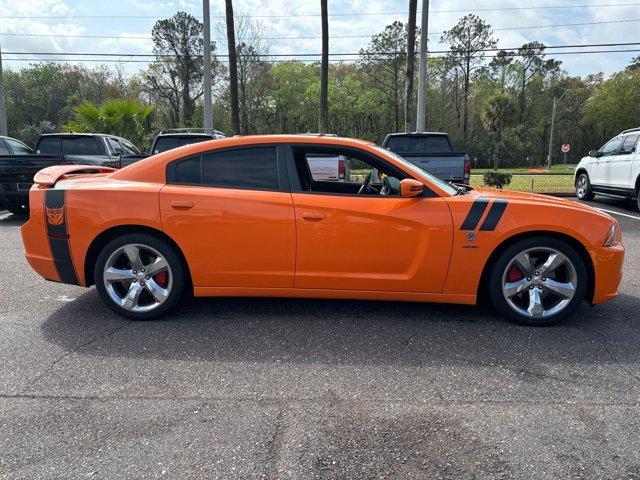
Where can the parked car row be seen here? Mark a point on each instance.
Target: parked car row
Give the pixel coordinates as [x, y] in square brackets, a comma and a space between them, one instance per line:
[19, 164]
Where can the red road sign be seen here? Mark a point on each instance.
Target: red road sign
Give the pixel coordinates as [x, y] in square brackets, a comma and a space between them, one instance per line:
[565, 148]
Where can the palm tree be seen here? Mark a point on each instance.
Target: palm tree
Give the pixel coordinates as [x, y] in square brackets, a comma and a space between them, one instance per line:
[498, 114]
[323, 123]
[124, 118]
[411, 56]
[233, 68]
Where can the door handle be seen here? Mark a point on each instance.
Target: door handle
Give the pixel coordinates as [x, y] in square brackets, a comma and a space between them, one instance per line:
[313, 216]
[181, 205]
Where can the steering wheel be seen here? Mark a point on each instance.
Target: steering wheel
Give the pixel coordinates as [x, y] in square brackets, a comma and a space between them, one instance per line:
[365, 185]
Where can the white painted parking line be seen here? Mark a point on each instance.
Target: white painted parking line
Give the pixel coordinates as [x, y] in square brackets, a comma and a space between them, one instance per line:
[618, 213]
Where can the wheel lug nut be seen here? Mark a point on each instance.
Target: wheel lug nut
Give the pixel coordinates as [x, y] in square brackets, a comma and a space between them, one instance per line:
[528, 279]
[134, 272]
[537, 273]
[531, 287]
[142, 284]
[142, 270]
[539, 287]
[544, 279]
[134, 280]
[147, 277]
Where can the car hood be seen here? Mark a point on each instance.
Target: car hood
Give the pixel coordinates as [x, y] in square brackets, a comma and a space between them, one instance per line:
[542, 200]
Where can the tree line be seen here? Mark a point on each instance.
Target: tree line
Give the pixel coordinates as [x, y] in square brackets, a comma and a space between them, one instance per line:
[496, 104]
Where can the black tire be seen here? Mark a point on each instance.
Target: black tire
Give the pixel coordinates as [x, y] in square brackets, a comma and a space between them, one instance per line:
[176, 269]
[586, 192]
[498, 274]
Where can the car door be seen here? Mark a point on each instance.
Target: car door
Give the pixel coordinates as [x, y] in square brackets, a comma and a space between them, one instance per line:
[367, 241]
[601, 171]
[231, 213]
[620, 164]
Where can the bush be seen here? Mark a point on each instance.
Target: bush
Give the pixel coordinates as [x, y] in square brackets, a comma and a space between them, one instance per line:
[496, 179]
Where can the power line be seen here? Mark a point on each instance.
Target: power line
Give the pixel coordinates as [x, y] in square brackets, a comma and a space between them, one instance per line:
[305, 60]
[373, 54]
[136, 37]
[461, 10]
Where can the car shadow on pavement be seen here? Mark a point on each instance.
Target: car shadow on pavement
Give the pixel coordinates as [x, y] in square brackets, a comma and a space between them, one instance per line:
[11, 220]
[347, 332]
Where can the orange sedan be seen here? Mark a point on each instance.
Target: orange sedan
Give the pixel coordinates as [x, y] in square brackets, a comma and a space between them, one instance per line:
[251, 216]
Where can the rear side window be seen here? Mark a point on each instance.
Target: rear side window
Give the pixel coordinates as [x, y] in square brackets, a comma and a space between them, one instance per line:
[81, 146]
[246, 168]
[49, 146]
[431, 144]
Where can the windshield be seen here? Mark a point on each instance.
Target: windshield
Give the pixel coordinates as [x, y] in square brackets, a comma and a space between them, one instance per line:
[450, 189]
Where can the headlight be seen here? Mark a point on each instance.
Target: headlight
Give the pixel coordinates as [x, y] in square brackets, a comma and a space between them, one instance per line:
[614, 236]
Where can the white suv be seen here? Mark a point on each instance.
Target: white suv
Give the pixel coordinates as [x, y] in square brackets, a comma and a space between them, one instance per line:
[612, 170]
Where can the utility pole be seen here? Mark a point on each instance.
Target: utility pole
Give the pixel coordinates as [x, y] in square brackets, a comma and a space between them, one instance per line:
[3, 112]
[208, 116]
[553, 122]
[422, 69]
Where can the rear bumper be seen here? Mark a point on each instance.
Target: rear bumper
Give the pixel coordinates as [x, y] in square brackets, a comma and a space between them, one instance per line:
[607, 265]
[38, 251]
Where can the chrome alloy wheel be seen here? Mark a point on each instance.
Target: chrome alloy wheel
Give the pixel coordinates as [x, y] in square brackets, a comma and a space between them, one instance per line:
[581, 187]
[539, 282]
[137, 278]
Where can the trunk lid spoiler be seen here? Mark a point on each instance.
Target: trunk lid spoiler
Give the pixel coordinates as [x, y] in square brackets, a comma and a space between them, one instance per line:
[50, 175]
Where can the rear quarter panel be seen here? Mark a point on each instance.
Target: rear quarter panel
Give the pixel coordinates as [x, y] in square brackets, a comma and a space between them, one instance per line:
[96, 206]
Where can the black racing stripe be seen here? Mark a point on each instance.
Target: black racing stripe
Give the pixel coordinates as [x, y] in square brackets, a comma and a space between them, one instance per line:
[494, 215]
[58, 237]
[475, 214]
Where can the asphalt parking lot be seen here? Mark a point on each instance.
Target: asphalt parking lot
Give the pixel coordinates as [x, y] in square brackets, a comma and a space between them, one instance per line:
[269, 388]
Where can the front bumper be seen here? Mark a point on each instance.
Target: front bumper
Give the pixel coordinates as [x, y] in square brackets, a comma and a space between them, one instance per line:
[607, 265]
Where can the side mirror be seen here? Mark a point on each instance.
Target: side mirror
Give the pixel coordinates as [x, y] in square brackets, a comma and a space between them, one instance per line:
[593, 153]
[411, 188]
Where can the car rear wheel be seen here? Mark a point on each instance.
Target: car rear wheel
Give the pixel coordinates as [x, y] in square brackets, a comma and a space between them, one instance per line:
[583, 187]
[139, 276]
[538, 281]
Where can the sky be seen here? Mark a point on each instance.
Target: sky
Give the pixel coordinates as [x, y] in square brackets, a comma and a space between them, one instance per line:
[126, 25]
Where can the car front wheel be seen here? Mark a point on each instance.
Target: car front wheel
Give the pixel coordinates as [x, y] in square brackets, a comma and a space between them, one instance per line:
[583, 187]
[139, 276]
[538, 281]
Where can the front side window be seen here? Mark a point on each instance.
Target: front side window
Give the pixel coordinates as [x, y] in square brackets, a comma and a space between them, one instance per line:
[247, 168]
[611, 148]
[18, 148]
[114, 146]
[3, 148]
[80, 146]
[346, 172]
[629, 144]
[129, 148]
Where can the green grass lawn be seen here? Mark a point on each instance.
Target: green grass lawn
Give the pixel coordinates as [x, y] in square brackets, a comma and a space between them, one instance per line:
[555, 170]
[541, 183]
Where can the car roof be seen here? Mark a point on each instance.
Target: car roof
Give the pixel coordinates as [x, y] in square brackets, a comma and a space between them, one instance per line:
[416, 134]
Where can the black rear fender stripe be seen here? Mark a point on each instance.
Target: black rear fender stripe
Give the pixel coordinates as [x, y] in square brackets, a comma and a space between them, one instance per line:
[475, 214]
[493, 217]
[58, 237]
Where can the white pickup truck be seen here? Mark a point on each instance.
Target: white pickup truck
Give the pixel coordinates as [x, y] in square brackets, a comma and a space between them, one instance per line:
[613, 170]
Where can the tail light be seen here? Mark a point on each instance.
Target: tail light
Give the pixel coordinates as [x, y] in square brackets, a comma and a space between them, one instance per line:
[467, 168]
[342, 169]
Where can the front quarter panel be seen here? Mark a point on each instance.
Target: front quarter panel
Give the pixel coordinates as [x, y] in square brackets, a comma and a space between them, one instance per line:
[482, 221]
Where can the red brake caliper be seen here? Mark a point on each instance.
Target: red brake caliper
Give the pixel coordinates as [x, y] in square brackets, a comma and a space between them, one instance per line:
[514, 275]
[162, 279]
